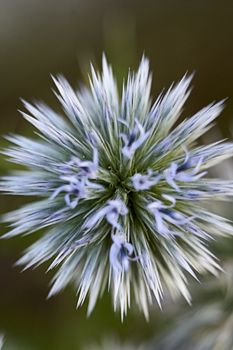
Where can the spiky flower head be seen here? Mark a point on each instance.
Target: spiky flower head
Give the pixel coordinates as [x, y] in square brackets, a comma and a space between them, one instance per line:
[120, 189]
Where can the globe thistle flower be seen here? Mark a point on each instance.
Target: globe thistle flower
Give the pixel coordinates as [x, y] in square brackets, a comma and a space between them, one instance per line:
[121, 190]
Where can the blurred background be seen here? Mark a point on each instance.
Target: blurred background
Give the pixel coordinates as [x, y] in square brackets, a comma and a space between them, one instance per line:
[39, 38]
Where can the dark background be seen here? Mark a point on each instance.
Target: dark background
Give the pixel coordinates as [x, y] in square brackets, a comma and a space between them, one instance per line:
[39, 37]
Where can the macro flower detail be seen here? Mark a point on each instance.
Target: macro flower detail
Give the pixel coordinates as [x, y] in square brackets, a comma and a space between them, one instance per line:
[120, 254]
[165, 215]
[75, 187]
[120, 190]
[178, 172]
[134, 139]
[77, 174]
[111, 212]
[144, 182]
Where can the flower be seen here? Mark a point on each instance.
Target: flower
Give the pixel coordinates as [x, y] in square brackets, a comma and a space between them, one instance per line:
[178, 172]
[120, 254]
[111, 211]
[144, 182]
[163, 213]
[131, 141]
[121, 189]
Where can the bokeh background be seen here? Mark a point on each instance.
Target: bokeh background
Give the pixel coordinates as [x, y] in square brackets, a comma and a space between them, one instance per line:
[39, 38]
